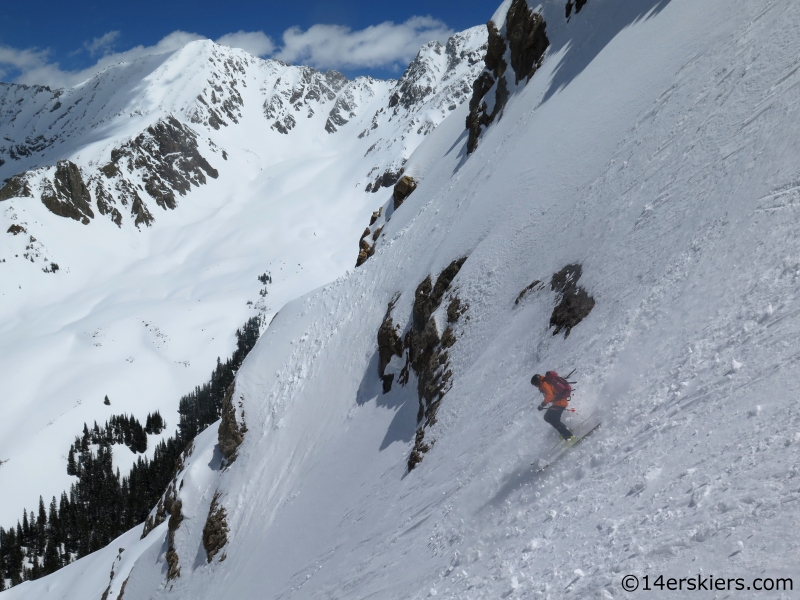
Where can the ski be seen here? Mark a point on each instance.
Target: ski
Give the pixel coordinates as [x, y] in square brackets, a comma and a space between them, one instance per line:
[562, 447]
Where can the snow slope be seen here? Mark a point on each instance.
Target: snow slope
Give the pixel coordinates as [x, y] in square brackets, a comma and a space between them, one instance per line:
[657, 146]
[160, 267]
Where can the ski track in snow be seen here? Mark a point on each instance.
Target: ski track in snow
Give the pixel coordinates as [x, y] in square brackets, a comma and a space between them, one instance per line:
[668, 167]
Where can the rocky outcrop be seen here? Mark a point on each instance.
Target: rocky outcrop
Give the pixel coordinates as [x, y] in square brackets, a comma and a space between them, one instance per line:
[425, 349]
[215, 531]
[310, 89]
[230, 433]
[491, 78]
[531, 287]
[525, 41]
[389, 345]
[574, 304]
[173, 506]
[365, 249]
[387, 179]
[106, 203]
[428, 352]
[168, 159]
[155, 519]
[16, 229]
[578, 5]
[343, 110]
[68, 195]
[15, 187]
[403, 189]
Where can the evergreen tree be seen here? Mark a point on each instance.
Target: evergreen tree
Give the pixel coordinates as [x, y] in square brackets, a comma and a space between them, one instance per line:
[72, 469]
[101, 504]
[26, 530]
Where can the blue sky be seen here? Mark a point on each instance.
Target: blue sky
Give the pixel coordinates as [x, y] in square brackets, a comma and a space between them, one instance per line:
[59, 43]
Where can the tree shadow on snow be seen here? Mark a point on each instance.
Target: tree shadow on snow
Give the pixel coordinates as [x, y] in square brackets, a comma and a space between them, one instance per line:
[402, 400]
[592, 30]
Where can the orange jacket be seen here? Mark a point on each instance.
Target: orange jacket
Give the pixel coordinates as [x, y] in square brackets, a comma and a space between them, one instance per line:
[550, 395]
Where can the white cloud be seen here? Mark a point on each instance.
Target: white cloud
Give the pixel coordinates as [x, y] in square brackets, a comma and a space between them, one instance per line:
[12, 59]
[387, 45]
[103, 44]
[256, 43]
[37, 70]
[384, 45]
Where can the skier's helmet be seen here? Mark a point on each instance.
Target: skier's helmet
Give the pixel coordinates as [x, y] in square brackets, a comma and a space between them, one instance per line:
[536, 379]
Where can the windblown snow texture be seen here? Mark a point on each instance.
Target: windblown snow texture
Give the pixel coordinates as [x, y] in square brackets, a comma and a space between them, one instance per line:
[656, 146]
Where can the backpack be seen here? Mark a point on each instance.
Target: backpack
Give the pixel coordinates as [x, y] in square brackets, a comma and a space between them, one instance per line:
[560, 385]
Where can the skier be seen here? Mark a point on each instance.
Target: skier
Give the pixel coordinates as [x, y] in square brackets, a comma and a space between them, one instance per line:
[556, 392]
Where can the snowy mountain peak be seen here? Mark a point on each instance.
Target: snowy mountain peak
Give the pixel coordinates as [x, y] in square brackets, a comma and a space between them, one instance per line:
[191, 95]
[148, 212]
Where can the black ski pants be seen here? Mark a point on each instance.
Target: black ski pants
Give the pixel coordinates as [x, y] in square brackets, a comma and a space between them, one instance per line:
[553, 416]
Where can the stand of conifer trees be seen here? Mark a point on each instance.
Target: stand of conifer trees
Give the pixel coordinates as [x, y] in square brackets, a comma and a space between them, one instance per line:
[101, 504]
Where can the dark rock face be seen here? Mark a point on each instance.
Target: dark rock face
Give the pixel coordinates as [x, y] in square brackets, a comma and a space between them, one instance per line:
[389, 344]
[479, 115]
[139, 212]
[365, 249]
[575, 303]
[16, 229]
[15, 187]
[215, 531]
[526, 39]
[427, 352]
[105, 204]
[68, 196]
[387, 179]
[312, 87]
[403, 189]
[343, 110]
[168, 156]
[173, 506]
[230, 433]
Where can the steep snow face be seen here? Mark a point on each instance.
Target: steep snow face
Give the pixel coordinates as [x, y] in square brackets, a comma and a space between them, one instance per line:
[657, 147]
[140, 207]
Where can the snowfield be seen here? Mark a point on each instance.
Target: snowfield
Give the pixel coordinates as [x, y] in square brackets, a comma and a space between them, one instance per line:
[658, 147]
[140, 313]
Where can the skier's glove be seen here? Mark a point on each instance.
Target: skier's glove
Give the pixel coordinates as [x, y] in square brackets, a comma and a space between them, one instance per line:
[541, 407]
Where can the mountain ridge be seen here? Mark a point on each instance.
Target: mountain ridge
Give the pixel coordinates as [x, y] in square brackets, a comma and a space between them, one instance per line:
[167, 182]
[653, 154]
